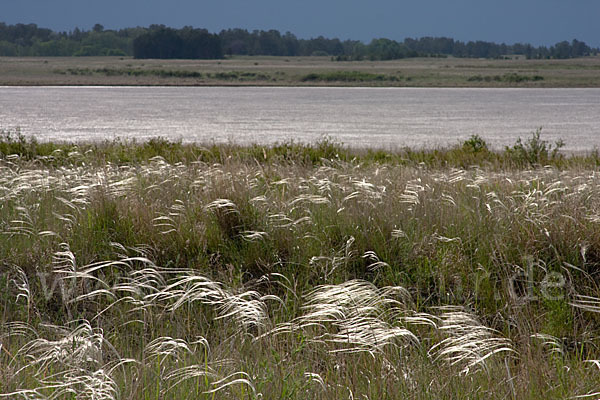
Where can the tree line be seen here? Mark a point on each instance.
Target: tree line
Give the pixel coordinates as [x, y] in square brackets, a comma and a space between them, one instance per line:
[159, 41]
[187, 43]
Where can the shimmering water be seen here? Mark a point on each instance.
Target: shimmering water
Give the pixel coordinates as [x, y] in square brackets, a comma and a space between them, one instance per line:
[374, 117]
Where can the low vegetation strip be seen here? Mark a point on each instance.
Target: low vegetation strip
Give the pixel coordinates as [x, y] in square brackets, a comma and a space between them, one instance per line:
[348, 76]
[511, 78]
[165, 73]
[163, 270]
[300, 71]
[530, 152]
[335, 76]
[313, 77]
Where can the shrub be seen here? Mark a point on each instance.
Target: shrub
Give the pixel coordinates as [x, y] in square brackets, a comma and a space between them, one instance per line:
[475, 144]
[534, 150]
[14, 142]
[347, 76]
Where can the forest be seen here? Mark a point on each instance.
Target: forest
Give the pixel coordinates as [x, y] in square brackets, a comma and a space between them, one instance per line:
[159, 41]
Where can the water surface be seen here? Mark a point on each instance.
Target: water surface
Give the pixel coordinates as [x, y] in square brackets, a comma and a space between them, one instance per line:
[363, 117]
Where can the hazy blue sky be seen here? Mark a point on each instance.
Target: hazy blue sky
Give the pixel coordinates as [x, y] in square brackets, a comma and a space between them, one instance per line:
[533, 21]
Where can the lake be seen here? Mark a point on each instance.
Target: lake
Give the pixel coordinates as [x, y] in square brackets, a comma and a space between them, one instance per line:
[387, 118]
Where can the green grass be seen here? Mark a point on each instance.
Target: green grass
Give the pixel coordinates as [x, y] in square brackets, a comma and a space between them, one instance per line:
[348, 76]
[511, 78]
[242, 76]
[534, 151]
[169, 270]
[167, 73]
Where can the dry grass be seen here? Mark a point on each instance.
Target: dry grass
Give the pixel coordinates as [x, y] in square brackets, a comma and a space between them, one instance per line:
[279, 279]
[286, 71]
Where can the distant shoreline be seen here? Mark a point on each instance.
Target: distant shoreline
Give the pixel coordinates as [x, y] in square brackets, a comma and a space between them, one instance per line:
[300, 72]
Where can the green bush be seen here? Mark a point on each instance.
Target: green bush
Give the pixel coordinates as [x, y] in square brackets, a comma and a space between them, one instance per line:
[509, 78]
[475, 144]
[347, 76]
[534, 150]
[14, 142]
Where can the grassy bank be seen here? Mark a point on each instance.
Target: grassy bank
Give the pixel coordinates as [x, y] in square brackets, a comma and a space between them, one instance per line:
[532, 151]
[162, 270]
[301, 71]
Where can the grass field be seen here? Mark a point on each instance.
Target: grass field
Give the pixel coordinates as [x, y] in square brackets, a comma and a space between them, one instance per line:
[301, 71]
[160, 270]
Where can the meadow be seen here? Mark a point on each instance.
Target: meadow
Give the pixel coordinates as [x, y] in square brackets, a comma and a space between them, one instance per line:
[162, 270]
[301, 71]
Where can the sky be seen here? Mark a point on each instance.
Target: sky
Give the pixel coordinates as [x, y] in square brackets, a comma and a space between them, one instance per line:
[539, 22]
